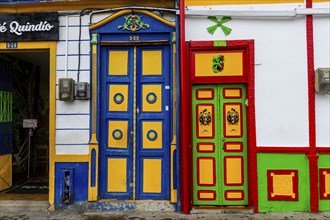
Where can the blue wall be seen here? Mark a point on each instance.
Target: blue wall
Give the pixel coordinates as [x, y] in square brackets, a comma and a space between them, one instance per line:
[79, 180]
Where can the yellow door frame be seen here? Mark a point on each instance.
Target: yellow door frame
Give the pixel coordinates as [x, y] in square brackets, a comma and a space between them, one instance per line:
[51, 47]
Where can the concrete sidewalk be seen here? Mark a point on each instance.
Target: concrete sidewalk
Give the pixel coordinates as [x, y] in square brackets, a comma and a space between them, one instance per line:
[24, 210]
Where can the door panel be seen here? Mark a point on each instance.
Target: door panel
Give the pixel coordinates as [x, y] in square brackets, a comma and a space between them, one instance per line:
[116, 122]
[135, 122]
[153, 122]
[205, 145]
[233, 144]
[219, 145]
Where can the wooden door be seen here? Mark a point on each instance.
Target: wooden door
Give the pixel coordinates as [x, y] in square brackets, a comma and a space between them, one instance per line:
[135, 122]
[219, 145]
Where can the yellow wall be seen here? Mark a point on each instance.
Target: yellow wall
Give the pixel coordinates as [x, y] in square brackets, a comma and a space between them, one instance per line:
[51, 47]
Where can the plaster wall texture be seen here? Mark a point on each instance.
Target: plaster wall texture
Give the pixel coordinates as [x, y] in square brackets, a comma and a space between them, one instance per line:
[73, 118]
[281, 96]
[322, 60]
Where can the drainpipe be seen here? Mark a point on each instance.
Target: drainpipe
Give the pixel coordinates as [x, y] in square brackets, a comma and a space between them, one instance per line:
[66, 44]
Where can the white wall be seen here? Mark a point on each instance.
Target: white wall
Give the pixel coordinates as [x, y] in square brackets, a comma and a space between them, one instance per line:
[73, 118]
[280, 70]
[322, 59]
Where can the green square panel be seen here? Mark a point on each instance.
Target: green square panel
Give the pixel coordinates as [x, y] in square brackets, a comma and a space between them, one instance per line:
[281, 162]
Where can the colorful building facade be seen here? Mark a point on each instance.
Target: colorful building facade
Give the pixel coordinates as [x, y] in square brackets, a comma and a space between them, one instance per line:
[174, 105]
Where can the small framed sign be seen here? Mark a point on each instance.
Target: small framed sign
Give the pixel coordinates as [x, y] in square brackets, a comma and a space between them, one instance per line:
[30, 123]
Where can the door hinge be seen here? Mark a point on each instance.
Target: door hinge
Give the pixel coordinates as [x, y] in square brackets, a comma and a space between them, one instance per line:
[247, 102]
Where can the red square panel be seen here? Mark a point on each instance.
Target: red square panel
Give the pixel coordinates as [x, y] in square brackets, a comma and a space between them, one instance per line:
[282, 184]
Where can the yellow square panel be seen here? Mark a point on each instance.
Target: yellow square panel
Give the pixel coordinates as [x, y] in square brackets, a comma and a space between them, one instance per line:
[234, 170]
[206, 171]
[5, 171]
[206, 194]
[283, 185]
[152, 98]
[152, 62]
[233, 64]
[152, 173]
[234, 194]
[327, 184]
[233, 117]
[232, 93]
[117, 134]
[152, 135]
[117, 170]
[118, 98]
[206, 129]
[118, 62]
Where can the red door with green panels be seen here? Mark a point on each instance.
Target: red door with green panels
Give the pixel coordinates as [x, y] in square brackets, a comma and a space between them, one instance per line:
[135, 122]
[219, 145]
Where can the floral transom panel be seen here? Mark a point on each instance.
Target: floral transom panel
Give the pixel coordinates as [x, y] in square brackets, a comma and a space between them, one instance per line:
[282, 184]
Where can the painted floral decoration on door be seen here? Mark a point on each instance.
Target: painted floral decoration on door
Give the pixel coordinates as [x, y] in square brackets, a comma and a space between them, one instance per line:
[133, 23]
[232, 117]
[205, 117]
[218, 63]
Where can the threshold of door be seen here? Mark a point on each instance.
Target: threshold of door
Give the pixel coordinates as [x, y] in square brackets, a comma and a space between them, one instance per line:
[28, 197]
[128, 205]
[24, 205]
[221, 210]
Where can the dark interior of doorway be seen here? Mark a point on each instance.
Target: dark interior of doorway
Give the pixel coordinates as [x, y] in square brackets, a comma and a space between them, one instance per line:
[30, 101]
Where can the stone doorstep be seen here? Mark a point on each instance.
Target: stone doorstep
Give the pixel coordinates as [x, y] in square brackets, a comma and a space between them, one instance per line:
[221, 210]
[106, 205]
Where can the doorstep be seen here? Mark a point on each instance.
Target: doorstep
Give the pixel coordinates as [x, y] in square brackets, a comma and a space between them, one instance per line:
[109, 205]
[24, 205]
[221, 210]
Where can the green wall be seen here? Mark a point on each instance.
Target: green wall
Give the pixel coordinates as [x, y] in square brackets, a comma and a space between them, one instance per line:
[271, 161]
[324, 162]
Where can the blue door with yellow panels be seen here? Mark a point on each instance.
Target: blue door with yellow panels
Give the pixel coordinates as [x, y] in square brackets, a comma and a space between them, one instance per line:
[135, 122]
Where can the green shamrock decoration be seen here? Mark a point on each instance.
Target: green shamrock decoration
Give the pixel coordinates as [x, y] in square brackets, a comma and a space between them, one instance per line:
[213, 28]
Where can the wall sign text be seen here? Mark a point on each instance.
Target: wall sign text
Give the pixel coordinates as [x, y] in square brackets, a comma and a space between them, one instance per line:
[29, 26]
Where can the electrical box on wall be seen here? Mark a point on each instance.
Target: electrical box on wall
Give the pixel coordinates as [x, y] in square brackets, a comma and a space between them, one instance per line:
[322, 80]
[82, 91]
[66, 89]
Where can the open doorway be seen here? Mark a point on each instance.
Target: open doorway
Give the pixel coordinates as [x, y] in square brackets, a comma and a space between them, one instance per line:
[28, 81]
